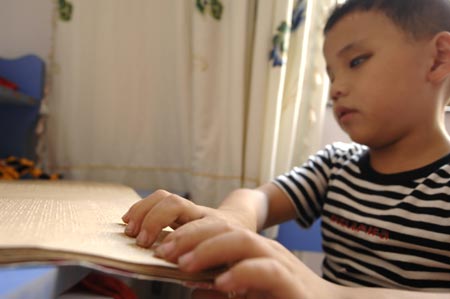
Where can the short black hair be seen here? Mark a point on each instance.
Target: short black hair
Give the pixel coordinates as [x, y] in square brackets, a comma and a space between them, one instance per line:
[418, 18]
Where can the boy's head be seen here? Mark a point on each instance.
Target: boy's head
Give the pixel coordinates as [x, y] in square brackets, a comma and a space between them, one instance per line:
[418, 18]
[389, 66]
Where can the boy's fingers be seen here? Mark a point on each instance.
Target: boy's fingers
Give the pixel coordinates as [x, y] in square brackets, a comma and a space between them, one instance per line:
[225, 249]
[188, 236]
[258, 275]
[134, 216]
[172, 211]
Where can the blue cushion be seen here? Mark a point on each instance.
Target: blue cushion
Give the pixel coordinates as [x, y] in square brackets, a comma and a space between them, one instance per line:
[294, 237]
[11, 97]
[19, 111]
[28, 72]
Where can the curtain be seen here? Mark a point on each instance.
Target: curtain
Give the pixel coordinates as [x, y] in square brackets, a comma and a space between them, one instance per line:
[198, 97]
[296, 91]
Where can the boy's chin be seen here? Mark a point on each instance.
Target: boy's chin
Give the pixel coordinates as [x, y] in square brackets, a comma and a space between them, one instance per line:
[360, 138]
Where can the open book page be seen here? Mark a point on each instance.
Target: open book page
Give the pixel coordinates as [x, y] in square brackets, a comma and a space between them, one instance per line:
[67, 220]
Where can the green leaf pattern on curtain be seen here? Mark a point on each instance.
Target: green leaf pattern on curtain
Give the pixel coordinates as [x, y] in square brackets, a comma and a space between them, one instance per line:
[279, 49]
[279, 41]
[215, 7]
[65, 10]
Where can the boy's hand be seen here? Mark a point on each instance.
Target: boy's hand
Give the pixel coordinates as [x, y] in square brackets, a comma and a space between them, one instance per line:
[262, 268]
[192, 223]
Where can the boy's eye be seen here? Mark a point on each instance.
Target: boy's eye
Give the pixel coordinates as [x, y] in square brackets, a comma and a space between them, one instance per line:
[358, 60]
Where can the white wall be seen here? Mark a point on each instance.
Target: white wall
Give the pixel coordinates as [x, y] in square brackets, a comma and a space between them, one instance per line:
[25, 27]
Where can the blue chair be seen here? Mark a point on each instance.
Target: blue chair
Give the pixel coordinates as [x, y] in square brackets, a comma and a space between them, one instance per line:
[294, 237]
[19, 110]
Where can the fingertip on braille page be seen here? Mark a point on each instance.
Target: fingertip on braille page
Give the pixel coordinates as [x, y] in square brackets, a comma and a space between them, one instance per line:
[165, 249]
[143, 238]
[185, 260]
[126, 217]
[129, 229]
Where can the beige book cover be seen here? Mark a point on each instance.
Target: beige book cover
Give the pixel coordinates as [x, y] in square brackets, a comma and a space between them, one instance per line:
[68, 222]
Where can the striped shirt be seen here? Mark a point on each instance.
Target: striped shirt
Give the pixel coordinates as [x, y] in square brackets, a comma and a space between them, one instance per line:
[378, 230]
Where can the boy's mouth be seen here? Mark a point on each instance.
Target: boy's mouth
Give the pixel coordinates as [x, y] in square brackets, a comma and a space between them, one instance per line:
[343, 112]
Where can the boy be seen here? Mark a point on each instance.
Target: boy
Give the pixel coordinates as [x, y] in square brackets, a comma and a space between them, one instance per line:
[384, 200]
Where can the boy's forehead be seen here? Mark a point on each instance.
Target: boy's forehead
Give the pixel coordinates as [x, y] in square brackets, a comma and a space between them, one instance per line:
[355, 28]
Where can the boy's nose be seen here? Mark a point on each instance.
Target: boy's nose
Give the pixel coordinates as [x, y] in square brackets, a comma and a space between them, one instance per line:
[335, 95]
[337, 90]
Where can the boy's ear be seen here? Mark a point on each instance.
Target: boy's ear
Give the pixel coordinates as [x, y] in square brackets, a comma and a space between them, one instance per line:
[441, 62]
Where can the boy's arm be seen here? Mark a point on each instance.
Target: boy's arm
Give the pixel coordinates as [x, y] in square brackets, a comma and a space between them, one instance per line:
[260, 208]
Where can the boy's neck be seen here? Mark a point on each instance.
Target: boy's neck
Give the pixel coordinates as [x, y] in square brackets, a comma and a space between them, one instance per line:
[410, 155]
